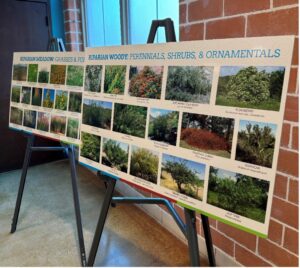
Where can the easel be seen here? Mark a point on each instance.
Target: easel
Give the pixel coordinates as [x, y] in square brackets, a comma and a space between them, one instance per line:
[189, 229]
[70, 152]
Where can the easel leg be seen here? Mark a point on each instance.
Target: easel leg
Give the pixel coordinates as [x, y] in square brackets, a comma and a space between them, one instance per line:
[208, 240]
[101, 221]
[22, 182]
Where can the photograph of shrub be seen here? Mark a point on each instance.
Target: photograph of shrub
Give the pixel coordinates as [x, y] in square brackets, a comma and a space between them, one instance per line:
[130, 119]
[48, 98]
[250, 87]
[189, 83]
[16, 115]
[58, 124]
[114, 81]
[208, 134]
[97, 113]
[75, 75]
[256, 143]
[43, 121]
[237, 193]
[61, 100]
[15, 93]
[75, 100]
[58, 74]
[90, 147]
[37, 94]
[163, 125]
[144, 164]
[182, 176]
[20, 72]
[32, 72]
[145, 81]
[115, 154]
[25, 95]
[93, 75]
[72, 128]
[29, 118]
[43, 75]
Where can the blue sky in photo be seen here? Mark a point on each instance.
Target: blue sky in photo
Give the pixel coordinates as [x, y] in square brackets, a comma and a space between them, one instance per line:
[134, 148]
[103, 104]
[222, 174]
[154, 112]
[51, 93]
[123, 146]
[232, 70]
[61, 92]
[243, 124]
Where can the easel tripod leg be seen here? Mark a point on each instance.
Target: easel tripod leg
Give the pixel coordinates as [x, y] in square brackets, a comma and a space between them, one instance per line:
[208, 240]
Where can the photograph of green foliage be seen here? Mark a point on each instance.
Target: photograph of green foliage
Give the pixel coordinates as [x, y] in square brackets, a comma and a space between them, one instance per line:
[250, 87]
[97, 113]
[75, 99]
[72, 128]
[130, 119]
[90, 147]
[43, 75]
[20, 72]
[48, 98]
[61, 100]
[25, 95]
[115, 154]
[15, 93]
[37, 94]
[189, 83]
[32, 72]
[163, 125]
[75, 75]
[114, 81]
[208, 134]
[58, 124]
[58, 74]
[93, 75]
[256, 143]
[144, 164]
[43, 121]
[16, 115]
[29, 118]
[145, 81]
[237, 193]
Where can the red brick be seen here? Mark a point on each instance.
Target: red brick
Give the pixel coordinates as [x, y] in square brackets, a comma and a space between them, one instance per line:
[277, 3]
[292, 87]
[285, 135]
[291, 240]
[182, 13]
[276, 254]
[280, 188]
[71, 26]
[288, 162]
[275, 232]
[280, 22]
[291, 109]
[192, 32]
[226, 28]
[247, 258]
[205, 9]
[71, 15]
[295, 52]
[293, 191]
[232, 7]
[72, 47]
[222, 242]
[71, 37]
[295, 138]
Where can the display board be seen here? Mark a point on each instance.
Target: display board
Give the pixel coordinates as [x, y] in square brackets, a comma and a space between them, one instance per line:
[197, 122]
[46, 94]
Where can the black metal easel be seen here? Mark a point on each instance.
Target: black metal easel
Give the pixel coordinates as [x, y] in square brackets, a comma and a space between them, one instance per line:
[70, 152]
[189, 229]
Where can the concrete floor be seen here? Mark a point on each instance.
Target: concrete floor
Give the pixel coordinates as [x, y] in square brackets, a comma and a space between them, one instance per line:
[46, 233]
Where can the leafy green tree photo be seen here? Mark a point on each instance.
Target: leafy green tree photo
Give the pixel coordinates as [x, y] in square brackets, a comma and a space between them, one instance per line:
[43, 76]
[90, 147]
[37, 94]
[114, 81]
[75, 75]
[61, 100]
[48, 98]
[25, 95]
[16, 115]
[20, 72]
[75, 99]
[72, 128]
[32, 72]
[15, 93]
[93, 75]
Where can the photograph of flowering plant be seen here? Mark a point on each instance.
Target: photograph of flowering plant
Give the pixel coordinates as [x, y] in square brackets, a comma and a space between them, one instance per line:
[114, 81]
[43, 121]
[16, 115]
[58, 124]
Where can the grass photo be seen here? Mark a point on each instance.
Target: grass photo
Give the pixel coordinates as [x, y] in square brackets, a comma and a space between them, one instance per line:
[75, 75]
[16, 115]
[43, 76]
[144, 164]
[114, 81]
[25, 95]
[61, 100]
[97, 113]
[130, 119]
[48, 98]
[93, 74]
[145, 81]
[32, 72]
[72, 128]
[208, 134]
[43, 121]
[15, 93]
[29, 118]
[75, 99]
[37, 94]
[189, 83]
[90, 147]
[182, 176]
[20, 72]
[115, 154]
[250, 87]
[256, 143]
[163, 125]
[58, 74]
[58, 124]
[237, 193]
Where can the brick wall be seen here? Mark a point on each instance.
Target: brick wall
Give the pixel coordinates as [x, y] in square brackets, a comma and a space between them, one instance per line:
[213, 19]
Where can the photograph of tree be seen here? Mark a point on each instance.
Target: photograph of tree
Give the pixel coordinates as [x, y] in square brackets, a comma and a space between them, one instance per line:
[43, 121]
[58, 74]
[58, 124]
[208, 134]
[61, 100]
[25, 95]
[256, 143]
[90, 147]
[16, 115]
[144, 164]
[182, 176]
[189, 83]
[145, 81]
[15, 93]
[237, 193]
[114, 81]
[72, 127]
[20, 72]
[75, 100]
[115, 154]
[75, 75]
[32, 72]
[250, 87]
[93, 75]
[29, 118]
[48, 98]
[97, 113]
[37, 94]
[43, 75]
[130, 119]
[163, 125]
